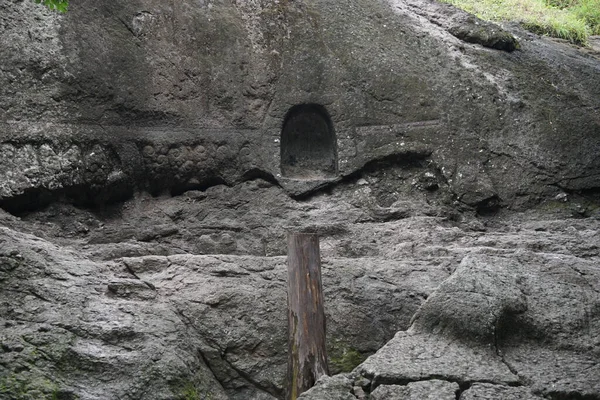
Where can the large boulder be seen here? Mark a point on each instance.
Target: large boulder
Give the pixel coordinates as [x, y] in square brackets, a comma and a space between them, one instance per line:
[522, 326]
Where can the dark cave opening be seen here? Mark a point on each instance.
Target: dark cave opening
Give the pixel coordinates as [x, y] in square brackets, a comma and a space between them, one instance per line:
[308, 143]
[84, 196]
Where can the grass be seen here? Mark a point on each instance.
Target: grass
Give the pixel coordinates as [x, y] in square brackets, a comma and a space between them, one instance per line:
[573, 20]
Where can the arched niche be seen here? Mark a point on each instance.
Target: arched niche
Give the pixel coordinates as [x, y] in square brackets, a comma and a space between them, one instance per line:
[308, 143]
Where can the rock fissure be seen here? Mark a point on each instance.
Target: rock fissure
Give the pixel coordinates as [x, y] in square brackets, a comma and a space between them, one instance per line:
[270, 389]
[379, 381]
[208, 365]
[462, 389]
[510, 367]
[570, 395]
[131, 271]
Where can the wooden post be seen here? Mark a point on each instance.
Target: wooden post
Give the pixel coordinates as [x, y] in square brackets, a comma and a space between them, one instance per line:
[307, 356]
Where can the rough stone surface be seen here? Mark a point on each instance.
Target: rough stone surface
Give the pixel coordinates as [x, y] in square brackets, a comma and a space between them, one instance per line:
[142, 254]
[483, 293]
[413, 357]
[227, 307]
[185, 96]
[335, 388]
[486, 34]
[487, 391]
[183, 292]
[426, 390]
[504, 303]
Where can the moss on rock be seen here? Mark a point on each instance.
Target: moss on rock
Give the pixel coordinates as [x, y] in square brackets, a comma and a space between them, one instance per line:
[343, 357]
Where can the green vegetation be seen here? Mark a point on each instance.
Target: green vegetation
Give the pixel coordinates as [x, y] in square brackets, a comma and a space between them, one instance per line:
[342, 357]
[573, 20]
[9, 385]
[18, 387]
[58, 5]
[191, 392]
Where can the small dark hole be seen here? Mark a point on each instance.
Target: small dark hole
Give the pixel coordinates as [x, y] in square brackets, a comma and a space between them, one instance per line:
[308, 143]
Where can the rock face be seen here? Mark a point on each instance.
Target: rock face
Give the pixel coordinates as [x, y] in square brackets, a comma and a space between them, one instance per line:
[493, 327]
[159, 297]
[153, 156]
[129, 289]
[110, 98]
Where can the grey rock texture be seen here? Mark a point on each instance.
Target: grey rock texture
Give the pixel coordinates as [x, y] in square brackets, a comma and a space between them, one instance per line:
[522, 324]
[163, 295]
[223, 313]
[409, 358]
[145, 95]
[142, 251]
[433, 389]
[489, 391]
[334, 388]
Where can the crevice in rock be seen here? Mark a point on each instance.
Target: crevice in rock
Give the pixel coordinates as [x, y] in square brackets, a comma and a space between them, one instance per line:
[489, 206]
[207, 363]
[39, 296]
[132, 272]
[188, 323]
[378, 381]
[180, 188]
[126, 25]
[590, 195]
[29, 291]
[257, 173]
[573, 395]
[158, 185]
[387, 214]
[95, 197]
[272, 390]
[511, 368]
[322, 187]
[407, 159]
[85, 196]
[403, 159]
[497, 336]
[570, 178]
[461, 389]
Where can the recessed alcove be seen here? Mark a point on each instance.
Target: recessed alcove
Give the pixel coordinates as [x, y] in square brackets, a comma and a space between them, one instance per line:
[308, 143]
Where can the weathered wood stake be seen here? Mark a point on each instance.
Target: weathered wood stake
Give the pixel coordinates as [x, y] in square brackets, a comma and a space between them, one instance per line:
[307, 356]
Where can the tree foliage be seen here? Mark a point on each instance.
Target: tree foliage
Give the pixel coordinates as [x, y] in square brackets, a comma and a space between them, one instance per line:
[58, 5]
